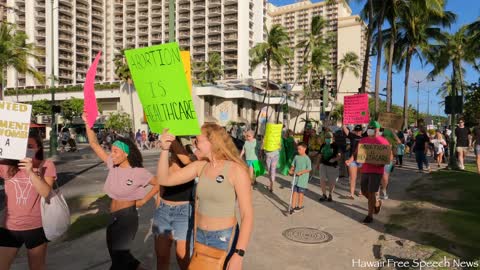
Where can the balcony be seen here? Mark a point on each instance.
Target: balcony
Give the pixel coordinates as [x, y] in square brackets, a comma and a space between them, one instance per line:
[184, 26]
[198, 32]
[198, 42]
[198, 23]
[184, 8]
[215, 12]
[230, 48]
[231, 10]
[214, 22]
[198, 6]
[214, 3]
[230, 28]
[64, 37]
[214, 40]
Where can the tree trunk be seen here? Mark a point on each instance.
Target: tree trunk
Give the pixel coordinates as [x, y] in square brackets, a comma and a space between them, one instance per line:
[259, 112]
[390, 71]
[379, 60]
[264, 97]
[301, 110]
[367, 48]
[130, 92]
[339, 84]
[405, 96]
[452, 164]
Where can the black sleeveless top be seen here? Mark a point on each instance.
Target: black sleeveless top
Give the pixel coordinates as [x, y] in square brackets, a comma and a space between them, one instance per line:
[180, 193]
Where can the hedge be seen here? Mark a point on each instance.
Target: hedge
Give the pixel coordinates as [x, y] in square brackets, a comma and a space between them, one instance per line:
[73, 88]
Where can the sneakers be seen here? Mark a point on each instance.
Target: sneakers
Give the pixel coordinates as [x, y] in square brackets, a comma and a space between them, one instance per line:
[329, 198]
[383, 195]
[323, 198]
[298, 209]
[367, 220]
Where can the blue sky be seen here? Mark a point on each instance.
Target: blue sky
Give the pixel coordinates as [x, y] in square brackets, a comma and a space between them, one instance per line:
[467, 11]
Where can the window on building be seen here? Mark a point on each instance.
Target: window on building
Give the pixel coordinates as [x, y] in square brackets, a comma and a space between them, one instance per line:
[208, 105]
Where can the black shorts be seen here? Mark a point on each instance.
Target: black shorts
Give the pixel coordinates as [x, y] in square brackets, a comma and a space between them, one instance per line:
[120, 235]
[371, 182]
[16, 239]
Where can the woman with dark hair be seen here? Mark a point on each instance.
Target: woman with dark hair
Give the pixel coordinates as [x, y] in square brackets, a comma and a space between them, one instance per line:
[125, 185]
[26, 181]
[173, 219]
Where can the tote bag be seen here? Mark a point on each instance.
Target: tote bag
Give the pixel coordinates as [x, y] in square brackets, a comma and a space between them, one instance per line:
[55, 214]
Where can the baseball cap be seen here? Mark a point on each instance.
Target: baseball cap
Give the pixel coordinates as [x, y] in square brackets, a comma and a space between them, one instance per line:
[374, 124]
[358, 128]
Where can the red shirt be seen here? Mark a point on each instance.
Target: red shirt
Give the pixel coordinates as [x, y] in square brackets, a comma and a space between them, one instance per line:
[22, 211]
[372, 168]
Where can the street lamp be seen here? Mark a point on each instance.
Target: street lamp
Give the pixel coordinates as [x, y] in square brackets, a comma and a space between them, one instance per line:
[53, 133]
[418, 95]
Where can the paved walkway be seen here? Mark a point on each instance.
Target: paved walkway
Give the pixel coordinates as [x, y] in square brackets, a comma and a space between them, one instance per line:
[268, 249]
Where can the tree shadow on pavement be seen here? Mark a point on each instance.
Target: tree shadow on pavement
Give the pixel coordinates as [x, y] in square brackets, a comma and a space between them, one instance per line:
[88, 219]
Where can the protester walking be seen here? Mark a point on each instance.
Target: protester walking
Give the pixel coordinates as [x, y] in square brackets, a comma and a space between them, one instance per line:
[222, 180]
[393, 140]
[439, 147]
[125, 185]
[420, 147]
[400, 154]
[26, 181]
[353, 167]
[173, 219]
[250, 151]
[301, 167]
[329, 157]
[371, 173]
[271, 158]
[463, 142]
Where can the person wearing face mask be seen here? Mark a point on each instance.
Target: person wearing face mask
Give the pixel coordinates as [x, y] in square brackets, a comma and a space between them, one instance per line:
[125, 185]
[329, 157]
[464, 140]
[371, 173]
[26, 181]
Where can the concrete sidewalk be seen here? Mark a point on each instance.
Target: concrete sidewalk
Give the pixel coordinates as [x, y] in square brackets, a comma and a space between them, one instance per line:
[268, 249]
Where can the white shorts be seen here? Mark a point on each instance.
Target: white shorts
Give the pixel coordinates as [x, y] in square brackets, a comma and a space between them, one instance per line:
[328, 173]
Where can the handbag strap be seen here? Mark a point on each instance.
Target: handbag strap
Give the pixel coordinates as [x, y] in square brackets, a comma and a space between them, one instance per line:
[196, 213]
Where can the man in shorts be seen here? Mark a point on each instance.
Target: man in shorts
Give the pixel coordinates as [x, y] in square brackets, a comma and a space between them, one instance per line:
[371, 173]
[463, 142]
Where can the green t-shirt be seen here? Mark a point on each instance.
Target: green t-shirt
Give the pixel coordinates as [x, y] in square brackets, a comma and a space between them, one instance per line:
[302, 163]
[250, 148]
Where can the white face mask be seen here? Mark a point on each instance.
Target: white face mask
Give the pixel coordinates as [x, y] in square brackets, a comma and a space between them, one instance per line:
[370, 132]
[380, 133]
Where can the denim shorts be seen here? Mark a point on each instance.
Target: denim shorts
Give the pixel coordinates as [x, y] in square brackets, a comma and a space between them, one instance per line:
[218, 239]
[175, 220]
[355, 164]
[299, 189]
[477, 149]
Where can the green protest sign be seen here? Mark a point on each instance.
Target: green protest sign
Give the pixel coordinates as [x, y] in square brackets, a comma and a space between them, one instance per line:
[159, 78]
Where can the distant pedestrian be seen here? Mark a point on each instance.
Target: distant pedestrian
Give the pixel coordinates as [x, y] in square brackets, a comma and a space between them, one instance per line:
[400, 154]
[371, 173]
[463, 142]
[420, 147]
[138, 139]
[301, 167]
[272, 158]
[125, 185]
[329, 157]
[250, 151]
[439, 147]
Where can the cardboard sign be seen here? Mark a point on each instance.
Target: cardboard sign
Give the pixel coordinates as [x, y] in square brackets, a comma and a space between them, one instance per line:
[374, 154]
[355, 109]
[14, 127]
[159, 78]
[187, 67]
[273, 137]
[390, 120]
[90, 101]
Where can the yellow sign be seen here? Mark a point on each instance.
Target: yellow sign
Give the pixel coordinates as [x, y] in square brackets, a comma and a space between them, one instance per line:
[185, 55]
[378, 154]
[273, 137]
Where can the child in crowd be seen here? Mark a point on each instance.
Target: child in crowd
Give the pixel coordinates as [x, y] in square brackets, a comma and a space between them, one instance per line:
[400, 153]
[301, 166]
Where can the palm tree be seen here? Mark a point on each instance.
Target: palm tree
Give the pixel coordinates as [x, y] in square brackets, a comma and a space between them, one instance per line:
[316, 58]
[122, 71]
[417, 25]
[366, 60]
[15, 52]
[274, 51]
[211, 70]
[473, 32]
[350, 62]
[452, 50]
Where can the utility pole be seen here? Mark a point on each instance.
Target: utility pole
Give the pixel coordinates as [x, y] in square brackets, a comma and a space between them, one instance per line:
[53, 133]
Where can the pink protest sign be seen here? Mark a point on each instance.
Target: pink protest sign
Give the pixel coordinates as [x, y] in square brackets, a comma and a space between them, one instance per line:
[355, 109]
[90, 101]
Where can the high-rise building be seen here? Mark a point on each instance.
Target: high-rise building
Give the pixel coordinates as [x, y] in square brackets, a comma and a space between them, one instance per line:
[81, 28]
[346, 32]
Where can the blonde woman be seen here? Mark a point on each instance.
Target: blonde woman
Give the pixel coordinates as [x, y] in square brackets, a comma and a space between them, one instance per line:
[439, 147]
[222, 180]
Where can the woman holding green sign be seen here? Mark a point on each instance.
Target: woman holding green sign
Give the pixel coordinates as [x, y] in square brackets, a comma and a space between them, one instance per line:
[222, 180]
[125, 185]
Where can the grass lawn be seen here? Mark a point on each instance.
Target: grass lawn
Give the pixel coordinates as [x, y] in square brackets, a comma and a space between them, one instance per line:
[444, 212]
